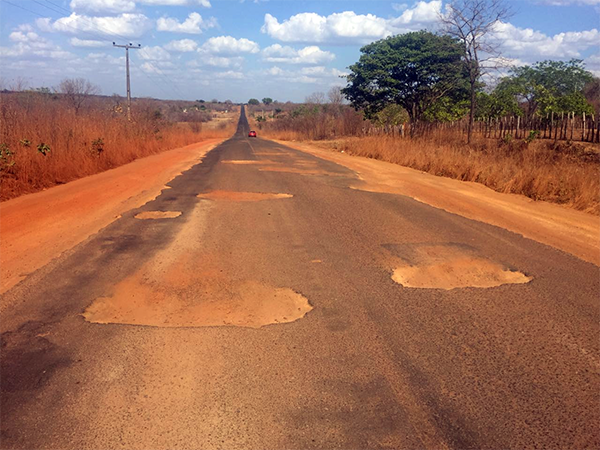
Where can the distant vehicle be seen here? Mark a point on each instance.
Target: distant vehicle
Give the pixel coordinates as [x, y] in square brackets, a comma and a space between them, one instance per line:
[252, 134]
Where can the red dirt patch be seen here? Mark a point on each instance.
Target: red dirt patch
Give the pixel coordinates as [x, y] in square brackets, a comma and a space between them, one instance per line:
[233, 196]
[157, 215]
[39, 227]
[248, 161]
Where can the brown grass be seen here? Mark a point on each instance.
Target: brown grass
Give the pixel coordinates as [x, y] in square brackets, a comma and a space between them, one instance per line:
[94, 140]
[563, 172]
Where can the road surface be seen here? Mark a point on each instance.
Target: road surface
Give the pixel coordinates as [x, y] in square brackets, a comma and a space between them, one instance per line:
[260, 302]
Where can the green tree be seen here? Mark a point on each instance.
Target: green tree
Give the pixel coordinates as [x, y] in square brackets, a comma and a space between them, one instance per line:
[413, 70]
[446, 109]
[549, 86]
[495, 105]
[253, 101]
[391, 115]
[267, 100]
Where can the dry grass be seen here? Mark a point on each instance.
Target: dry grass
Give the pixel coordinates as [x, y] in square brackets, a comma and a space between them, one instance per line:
[81, 144]
[542, 170]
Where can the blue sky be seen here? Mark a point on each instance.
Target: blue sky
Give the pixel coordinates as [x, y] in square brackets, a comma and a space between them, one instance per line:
[232, 49]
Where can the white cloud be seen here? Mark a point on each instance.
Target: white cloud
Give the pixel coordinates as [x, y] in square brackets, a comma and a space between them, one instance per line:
[25, 27]
[348, 27]
[130, 25]
[308, 75]
[194, 24]
[274, 71]
[76, 42]
[420, 13]
[152, 67]
[28, 44]
[218, 61]
[122, 6]
[323, 72]
[155, 53]
[228, 45]
[592, 63]
[531, 45]
[231, 74]
[105, 59]
[399, 6]
[182, 45]
[204, 3]
[308, 55]
[30, 38]
[108, 6]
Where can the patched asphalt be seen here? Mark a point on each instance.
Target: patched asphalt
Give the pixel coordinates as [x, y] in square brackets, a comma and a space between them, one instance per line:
[372, 365]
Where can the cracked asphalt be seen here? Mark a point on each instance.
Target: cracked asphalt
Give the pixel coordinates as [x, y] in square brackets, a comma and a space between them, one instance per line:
[373, 364]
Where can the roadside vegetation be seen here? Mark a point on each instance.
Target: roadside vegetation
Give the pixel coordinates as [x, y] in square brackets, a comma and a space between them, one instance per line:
[52, 136]
[421, 100]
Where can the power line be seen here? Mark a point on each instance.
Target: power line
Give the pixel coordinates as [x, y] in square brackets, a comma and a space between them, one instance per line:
[143, 52]
[112, 36]
[127, 47]
[96, 36]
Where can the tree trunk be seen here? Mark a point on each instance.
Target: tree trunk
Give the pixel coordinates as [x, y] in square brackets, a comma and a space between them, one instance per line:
[471, 112]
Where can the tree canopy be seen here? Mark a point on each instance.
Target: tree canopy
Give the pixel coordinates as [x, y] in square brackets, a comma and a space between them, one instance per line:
[253, 101]
[413, 70]
[549, 86]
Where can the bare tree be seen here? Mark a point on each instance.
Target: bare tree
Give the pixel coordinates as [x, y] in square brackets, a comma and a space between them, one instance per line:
[19, 84]
[316, 98]
[335, 95]
[77, 91]
[472, 22]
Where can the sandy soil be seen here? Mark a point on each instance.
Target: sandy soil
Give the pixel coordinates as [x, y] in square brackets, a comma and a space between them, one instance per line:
[185, 287]
[36, 228]
[449, 267]
[157, 215]
[571, 231]
[234, 196]
[300, 171]
[248, 161]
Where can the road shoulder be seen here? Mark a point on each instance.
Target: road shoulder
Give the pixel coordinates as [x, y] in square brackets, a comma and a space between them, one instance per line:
[571, 231]
[39, 227]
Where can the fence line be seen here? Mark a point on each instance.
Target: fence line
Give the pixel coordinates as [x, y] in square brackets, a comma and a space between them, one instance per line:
[557, 127]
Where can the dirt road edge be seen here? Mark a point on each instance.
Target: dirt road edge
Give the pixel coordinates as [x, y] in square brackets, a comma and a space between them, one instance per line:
[571, 231]
[36, 228]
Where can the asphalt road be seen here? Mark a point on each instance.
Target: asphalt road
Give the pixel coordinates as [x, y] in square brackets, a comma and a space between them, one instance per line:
[374, 364]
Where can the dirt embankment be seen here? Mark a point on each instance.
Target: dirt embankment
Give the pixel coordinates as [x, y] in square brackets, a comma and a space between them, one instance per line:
[36, 228]
[571, 231]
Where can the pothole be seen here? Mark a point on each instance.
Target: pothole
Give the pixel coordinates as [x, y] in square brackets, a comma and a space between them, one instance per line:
[450, 267]
[208, 301]
[234, 196]
[301, 171]
[157, 215]
[248, 161]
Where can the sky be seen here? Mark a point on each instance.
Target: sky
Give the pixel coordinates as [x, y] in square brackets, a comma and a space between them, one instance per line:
[241, 49]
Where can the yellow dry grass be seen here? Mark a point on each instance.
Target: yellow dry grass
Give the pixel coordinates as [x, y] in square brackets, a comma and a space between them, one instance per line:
[562, 172]
[44, 142]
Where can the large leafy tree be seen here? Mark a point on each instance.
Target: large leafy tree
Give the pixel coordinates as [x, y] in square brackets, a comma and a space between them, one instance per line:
[549, 86]
[413, 70]
[495, 105]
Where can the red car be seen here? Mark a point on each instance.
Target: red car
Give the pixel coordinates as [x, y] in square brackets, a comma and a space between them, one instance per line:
[252, 134]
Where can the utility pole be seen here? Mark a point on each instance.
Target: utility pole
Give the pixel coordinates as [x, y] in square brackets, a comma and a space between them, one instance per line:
[127, 47]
